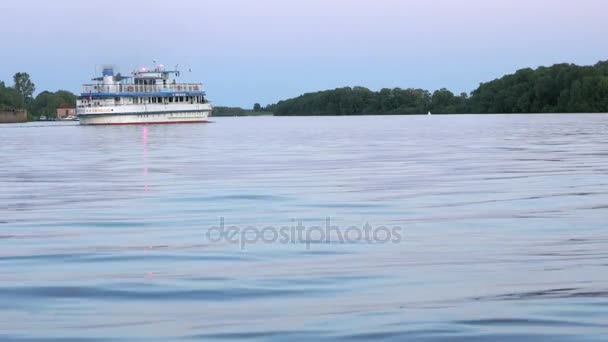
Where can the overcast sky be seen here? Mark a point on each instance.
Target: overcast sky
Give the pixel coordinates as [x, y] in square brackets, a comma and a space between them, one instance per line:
[248, 51]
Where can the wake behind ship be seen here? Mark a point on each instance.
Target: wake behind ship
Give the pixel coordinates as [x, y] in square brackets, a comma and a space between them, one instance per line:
[150, 96]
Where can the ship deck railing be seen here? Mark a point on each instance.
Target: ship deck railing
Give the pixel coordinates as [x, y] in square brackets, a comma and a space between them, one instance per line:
[140, 88]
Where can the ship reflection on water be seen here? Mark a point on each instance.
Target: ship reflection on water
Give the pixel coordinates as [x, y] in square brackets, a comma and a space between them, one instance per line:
[144, 140]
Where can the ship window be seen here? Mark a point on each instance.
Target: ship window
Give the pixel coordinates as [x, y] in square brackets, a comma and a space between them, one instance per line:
[160, 100]
[170, 99]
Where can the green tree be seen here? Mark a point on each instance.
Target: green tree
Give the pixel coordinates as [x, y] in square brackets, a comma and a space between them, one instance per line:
[442, 100]
[46, 103]
[9, 97]
[24, 86]
[257, 107]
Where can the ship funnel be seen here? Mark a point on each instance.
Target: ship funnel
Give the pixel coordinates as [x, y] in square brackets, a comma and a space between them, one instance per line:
[108, 74]
[108, 71]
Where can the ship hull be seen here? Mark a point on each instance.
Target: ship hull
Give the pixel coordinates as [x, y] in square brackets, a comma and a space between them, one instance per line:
[147, 116]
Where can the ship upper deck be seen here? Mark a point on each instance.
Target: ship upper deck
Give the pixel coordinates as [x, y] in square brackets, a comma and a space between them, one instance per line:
[143, 82]
[129, 88]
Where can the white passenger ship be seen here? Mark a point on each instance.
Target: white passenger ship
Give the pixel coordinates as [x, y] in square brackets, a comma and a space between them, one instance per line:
[150, 96]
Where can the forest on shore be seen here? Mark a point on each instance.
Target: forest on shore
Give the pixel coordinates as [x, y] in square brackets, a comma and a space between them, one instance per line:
[561, 88]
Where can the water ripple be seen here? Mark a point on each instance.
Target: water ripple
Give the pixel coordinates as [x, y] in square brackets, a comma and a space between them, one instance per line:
[503, 218]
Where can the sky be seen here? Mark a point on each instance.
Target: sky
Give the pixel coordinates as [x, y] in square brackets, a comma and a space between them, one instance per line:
[248, 51]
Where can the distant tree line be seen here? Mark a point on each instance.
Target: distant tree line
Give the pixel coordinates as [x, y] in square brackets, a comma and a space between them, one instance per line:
[561, 88]
[238, 111]
[21, 96]
[229, 111]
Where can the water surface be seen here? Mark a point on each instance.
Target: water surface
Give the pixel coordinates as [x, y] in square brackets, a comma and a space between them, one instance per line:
[104, 230]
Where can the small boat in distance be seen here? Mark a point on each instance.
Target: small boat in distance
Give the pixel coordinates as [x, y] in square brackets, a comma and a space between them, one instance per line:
[42, 118]
[149, 96]
[429, 113]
